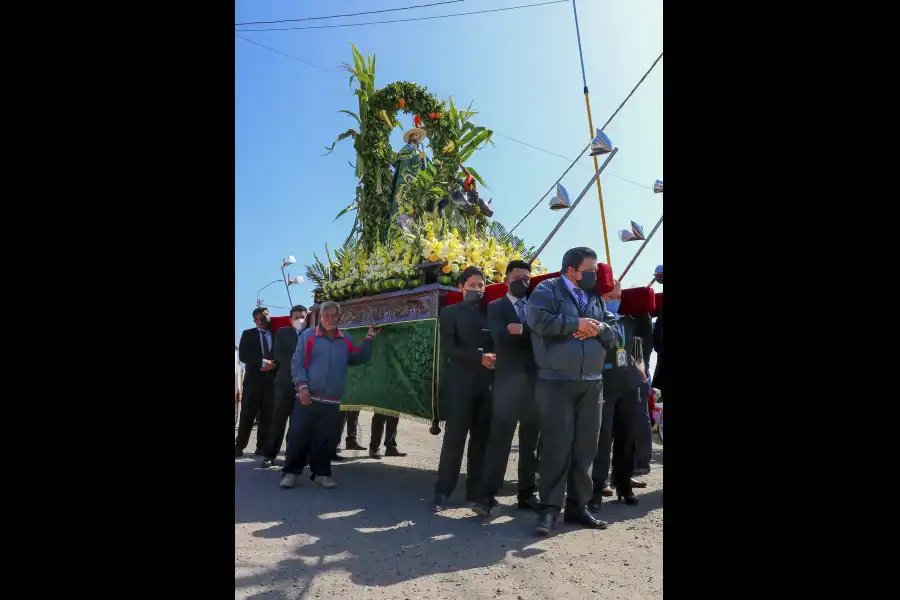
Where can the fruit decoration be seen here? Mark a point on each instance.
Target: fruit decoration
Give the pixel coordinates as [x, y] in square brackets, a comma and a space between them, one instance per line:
[417, 121]
[401, 102]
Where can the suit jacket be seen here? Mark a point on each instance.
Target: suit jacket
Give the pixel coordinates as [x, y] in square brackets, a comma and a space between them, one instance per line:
[464, 337]
[285, 344]
[514, 353]
[251, 354]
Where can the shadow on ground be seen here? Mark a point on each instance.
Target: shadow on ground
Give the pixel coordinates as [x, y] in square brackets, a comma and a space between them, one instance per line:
[375, 526]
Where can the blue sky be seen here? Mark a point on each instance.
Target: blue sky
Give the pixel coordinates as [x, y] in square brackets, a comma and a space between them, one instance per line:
[521, 69]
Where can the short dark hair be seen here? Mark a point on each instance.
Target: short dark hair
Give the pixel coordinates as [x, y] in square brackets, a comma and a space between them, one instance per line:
[574, 257]
[298, 308]
[517, 264]
[258, 310]
[468, 272]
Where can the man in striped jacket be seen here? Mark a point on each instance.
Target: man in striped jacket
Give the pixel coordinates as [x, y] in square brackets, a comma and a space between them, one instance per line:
[319, 373]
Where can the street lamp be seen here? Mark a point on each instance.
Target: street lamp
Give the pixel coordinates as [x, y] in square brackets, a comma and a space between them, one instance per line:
[290, 260]
[259, 301]
[657, 189]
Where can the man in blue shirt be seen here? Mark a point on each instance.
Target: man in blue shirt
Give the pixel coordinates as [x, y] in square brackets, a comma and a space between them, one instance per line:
[570, 339]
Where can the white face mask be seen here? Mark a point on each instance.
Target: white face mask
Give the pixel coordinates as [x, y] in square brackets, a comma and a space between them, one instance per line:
[298, 324]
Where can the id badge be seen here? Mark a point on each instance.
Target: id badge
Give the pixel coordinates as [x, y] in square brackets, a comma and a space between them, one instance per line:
[621, 358]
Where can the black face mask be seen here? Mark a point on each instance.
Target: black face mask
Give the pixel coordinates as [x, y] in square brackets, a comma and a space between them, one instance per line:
[473, 297]
[518, 288]
[588, 280]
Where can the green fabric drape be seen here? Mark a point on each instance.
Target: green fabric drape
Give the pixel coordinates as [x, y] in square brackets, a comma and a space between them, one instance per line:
[400, 378]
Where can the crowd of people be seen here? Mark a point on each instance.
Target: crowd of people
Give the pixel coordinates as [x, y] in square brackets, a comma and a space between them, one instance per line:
[560, 363]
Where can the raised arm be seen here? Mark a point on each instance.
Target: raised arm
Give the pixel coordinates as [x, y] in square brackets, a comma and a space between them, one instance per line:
[543, 318]
[359, 355]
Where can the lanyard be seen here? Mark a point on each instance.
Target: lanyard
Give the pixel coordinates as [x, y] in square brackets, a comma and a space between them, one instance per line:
[620, 343]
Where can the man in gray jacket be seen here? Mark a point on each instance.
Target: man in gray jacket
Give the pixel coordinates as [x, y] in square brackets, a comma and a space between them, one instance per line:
[319, 373]
[570, 339]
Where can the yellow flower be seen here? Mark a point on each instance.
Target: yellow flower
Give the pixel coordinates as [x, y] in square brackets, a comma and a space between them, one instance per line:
[433, 257]
[446, 269]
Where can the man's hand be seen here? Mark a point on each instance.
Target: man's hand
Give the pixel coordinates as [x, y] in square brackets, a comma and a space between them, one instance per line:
[303, 395]
[589, 327]
[373, 331]
[267, 365]
[488, 359]
[515, 328]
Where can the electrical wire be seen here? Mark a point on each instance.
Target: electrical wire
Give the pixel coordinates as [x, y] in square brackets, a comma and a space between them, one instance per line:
[476, 12]
[371, 12]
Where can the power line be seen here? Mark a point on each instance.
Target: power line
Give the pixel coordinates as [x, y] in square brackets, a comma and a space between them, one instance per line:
[371, 12]
[476, 12]
[497, 133]
[580, 154]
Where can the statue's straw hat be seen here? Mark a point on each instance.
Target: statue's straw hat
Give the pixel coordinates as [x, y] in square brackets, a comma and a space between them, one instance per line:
[418, 130]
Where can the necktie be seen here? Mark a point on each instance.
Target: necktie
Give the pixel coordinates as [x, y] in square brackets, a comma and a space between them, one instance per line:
[265, 344]
[520, 310]
[582, 301]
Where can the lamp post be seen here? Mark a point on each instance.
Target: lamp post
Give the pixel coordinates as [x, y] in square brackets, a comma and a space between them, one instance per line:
[290, 260]
[258, 299]
[657, 189]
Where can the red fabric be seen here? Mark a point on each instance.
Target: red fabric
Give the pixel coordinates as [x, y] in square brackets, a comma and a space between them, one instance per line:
[309, 348]
[637, 301]
[498, 290]
[279, 322]
[658, 304]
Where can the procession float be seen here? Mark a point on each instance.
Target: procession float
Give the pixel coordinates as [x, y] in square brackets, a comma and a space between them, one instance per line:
[419, 220]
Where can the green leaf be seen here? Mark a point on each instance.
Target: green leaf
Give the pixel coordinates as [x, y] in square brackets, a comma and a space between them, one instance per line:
[351, 206]
[347, 112]
[477, 177]
[349, 133]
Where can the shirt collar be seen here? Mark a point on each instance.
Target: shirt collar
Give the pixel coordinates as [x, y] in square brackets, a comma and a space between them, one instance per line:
[569, 284]
[262, 331]
[513, 299]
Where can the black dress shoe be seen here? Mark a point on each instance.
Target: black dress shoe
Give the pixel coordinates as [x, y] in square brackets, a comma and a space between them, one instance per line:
[530, 503]
[238, 453]
[336, 457]
[392, 451]
[437, 503]
[544, 524]
[595, 503]
[584, 518]
[353, 445]
[629, 497]
[375, 454]
[267, 463]
[482, 508]
[637, 483]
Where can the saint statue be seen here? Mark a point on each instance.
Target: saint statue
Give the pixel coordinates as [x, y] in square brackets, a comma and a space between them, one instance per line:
[409, 160]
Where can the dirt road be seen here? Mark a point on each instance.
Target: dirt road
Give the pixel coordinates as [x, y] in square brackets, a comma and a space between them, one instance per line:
[372, 537]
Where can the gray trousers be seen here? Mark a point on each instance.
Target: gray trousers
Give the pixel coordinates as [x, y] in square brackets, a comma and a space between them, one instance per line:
[570, 423]
[513, 403]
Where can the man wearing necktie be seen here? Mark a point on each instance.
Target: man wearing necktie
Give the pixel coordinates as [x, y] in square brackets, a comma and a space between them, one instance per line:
[569, 338]
[513, 398]
[285, 344]
[255, 350]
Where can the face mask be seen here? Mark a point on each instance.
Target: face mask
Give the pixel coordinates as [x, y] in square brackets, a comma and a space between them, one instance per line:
[298, 324]
[518, 288]
[613, 305]
[588, 280]
[473, 297]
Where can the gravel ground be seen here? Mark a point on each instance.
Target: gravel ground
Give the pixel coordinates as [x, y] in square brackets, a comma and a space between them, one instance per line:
[372, 536]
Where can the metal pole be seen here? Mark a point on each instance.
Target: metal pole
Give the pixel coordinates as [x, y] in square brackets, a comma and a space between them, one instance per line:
[287, 288]
[574, 204]
[587, 103]
[259, 291]
[641, 249]
[652, 281]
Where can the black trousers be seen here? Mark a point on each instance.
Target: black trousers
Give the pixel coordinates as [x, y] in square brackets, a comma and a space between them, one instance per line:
[468, 415]
[570, 423]
[311, 436]
[513, 402]
[617, 437]
[258, 400]
[285, 396]
[386, 427]
[350, 418]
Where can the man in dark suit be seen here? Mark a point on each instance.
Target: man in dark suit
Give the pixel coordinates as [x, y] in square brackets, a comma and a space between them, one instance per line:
[466, 341]
[513, 397]
[285, 344]
[568, 333]
[255, 350]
